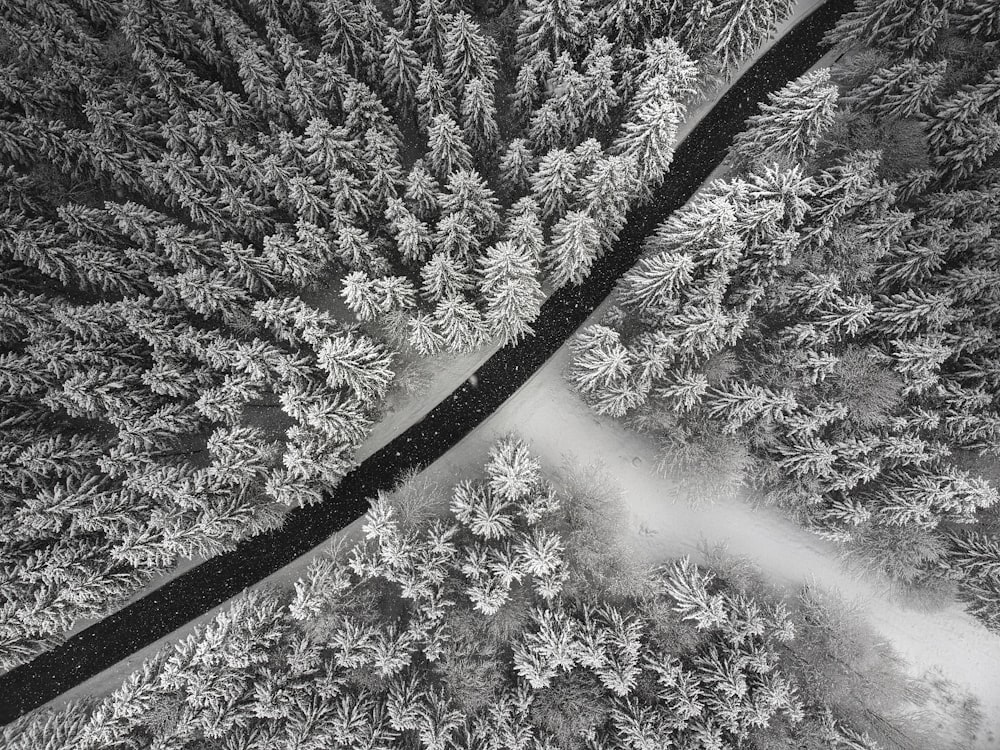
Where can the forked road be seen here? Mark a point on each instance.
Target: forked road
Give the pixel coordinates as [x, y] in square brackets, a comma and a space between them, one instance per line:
[212, 582]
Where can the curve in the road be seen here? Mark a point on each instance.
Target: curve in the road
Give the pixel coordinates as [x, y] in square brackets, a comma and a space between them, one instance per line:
[214, 581]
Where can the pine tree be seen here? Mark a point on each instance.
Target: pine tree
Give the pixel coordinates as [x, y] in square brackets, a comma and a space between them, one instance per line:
[554, 26]
[902, 90]
[422, 191]
[978, 18]
[600, 94]
[357, 362]
[902, 26]
[468, 54]
[607, 193]
[738, 28]
[361, 295]
[344, 33]
[433, 98]
[974, 559]
[657, 281]
[524, 227]
[382, 158]
[460, 324]
[447, 150]
[791, 123]
[430, 30]
[516, 165]
[444, 277]
[412, 238]
[562, 116]
[456, 236]
[401, 68]
[478, 116]
[422, 336]
[356, 250]
[603, 370]
[510, 289]
[961, 136]
[648, 137]
[469, 196]
[913, 311]
[575, 247]
[527, 89]
[554, 182]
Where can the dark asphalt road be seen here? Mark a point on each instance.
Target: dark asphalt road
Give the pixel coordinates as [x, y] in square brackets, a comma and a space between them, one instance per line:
[212, 582]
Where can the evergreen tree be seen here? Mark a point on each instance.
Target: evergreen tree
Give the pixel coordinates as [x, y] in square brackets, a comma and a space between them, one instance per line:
[357, 362]
[791, 123]
[431, 24]
[977, 18]
[906, 28]
[524, 227]
[401, 68]
[422, 191]
[902, 90]
[510, 288]
[468, 54]
[737, 29]
[447, 150]
[600, 93]
[516, 165]
[554, 182]
[460, 324]
[382, 159]
[575, 246]
[443, 277]
[603, 370]
[648, 138]
[478, 115]
[554, 26]
[468, 196]
[432, 97]
[607, 192]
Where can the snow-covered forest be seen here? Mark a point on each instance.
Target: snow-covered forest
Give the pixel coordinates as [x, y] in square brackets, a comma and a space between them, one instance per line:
[235, 230]
[822, 324]
[177, 173]
[503, 614]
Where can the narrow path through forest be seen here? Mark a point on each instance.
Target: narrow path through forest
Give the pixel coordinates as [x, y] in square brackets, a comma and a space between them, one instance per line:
[201, 589]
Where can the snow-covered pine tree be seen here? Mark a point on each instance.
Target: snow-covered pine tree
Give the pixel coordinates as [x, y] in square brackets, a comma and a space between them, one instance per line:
[443, 277]
[647, 138]
[401, 69]
[791, 122]
[469, 196]
[468, 53]
[516, 166]
[552, 26]
[447, 150]
[901, 90]
[904, 27]
[510, 289]
[422, 191]
[575, 246]
[478, 116]
[460, 324]
[433, 98]
[554, 182]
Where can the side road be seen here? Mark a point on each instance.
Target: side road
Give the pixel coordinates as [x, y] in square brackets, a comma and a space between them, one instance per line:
[91, 661]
